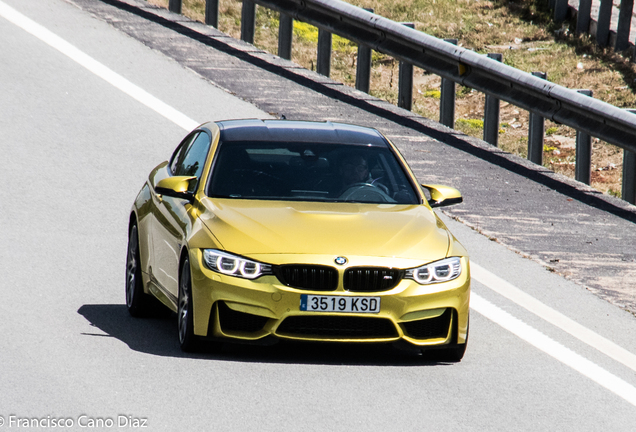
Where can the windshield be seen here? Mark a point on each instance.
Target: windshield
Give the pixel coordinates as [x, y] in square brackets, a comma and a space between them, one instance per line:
[309, 172]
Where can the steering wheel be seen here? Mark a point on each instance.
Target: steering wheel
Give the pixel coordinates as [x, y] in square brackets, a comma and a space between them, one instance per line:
[365, 192]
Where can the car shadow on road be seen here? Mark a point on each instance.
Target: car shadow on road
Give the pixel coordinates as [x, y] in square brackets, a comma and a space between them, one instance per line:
[158, 336]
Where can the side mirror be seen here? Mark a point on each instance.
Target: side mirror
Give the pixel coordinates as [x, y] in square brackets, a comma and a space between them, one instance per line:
[176, 187]
[442, 196]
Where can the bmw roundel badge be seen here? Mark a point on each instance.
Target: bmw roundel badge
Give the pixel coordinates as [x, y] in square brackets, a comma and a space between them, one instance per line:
[340, 260]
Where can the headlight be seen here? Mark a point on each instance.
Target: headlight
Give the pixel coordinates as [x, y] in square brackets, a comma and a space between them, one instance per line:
[233, 265]
[438, 271]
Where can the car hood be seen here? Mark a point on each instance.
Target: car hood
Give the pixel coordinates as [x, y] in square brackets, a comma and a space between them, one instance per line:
[258, 227]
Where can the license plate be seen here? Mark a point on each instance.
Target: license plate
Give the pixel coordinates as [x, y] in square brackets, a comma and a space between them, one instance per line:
[314, 303]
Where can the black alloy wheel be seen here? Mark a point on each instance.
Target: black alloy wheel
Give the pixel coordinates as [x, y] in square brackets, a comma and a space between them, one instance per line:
[137, 302]
[187, 339]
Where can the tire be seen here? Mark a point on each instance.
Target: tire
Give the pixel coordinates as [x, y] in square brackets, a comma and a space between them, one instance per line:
[452, 355]
[188, 341]
[138, 303]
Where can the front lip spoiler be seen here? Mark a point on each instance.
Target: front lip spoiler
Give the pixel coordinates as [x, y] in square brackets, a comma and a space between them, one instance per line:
[271, 340]
[268, 340]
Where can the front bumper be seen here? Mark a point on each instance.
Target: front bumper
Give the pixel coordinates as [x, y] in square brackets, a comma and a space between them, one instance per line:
[253, 310]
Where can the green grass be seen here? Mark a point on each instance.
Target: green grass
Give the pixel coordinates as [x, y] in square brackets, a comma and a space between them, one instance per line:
[471, 123]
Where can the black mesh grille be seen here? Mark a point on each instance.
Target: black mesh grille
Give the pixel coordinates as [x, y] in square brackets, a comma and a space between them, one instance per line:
[337, 326]
[308, 277]
[371, 279]
[430, 328]
[232, 320]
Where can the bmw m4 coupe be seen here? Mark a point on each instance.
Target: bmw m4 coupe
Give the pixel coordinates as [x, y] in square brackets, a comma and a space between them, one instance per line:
[263, 230]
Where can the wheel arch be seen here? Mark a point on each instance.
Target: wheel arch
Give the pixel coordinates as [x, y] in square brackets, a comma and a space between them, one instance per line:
[185, 253]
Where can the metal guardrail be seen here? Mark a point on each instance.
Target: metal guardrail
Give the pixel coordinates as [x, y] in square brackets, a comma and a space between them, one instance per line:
[601, 28]
[543, 99]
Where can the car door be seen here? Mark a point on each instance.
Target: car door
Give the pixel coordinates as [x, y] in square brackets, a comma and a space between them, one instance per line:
[173, 216]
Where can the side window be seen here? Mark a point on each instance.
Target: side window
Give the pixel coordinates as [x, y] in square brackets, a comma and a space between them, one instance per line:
[191, 159]
[179, 153]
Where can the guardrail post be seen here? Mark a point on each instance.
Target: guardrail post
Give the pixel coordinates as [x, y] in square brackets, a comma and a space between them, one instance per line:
[583, 161]
[405, 84]
[285, 35]
[603, 24]
[628, 189]
[323, 64]
[174, 6]
[536, 132]
[363, 66]
[629, 177]
[624, 25]
[212, 13]
[363, 69]
[447, 99]
[248, 21]
[583, 17]
[491, 112]
[560, 10]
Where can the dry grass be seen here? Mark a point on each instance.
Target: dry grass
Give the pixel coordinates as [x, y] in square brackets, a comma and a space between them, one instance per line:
[519, 29]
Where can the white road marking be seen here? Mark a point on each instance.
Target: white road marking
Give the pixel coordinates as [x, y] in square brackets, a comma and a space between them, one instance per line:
[553, 348]
[552, 316]
[489, 310]
[96, 67]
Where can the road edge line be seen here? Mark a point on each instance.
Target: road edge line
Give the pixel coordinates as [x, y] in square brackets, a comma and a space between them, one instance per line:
[96, 67]
[552, 316]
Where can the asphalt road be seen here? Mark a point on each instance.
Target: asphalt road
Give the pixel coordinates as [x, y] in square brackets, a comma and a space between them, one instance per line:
[76, 145]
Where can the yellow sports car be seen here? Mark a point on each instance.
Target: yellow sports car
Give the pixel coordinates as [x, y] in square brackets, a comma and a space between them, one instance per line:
[258, 231]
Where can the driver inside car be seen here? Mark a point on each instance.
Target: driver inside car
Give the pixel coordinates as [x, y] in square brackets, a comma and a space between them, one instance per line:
[354, 169]
[354, 172]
